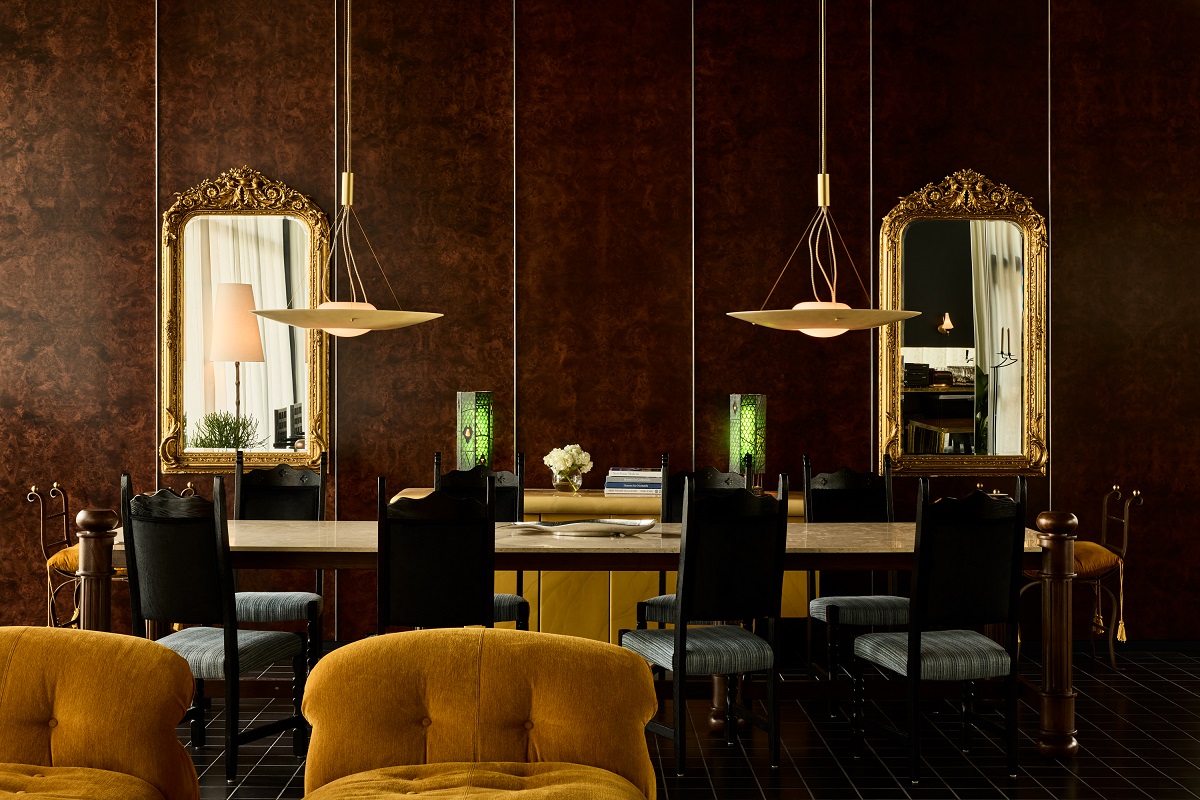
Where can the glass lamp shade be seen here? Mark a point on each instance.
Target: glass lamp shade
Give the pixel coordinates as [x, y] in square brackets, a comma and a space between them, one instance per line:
[748, 436]
[474, 435]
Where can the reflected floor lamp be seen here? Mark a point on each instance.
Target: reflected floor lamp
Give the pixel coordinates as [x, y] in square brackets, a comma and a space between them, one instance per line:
[235, 334]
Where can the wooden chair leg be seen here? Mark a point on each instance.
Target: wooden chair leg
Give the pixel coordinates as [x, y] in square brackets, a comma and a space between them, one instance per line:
[232, 726]
[679, 710]
[315, 635]
[833, 634]
[914, 729]
[1115, 606]
[300, 732]
[197, 715]
[968, 709]
[773, 716]
[858, 691]
[731, 682]
[641, 615]
[1010, 723]
[523, 617]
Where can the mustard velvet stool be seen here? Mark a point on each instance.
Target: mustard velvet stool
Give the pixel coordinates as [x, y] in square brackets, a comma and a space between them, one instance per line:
[92, 715]
[479, 712]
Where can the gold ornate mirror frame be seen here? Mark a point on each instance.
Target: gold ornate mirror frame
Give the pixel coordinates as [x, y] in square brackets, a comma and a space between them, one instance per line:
[966, 195]
[238, 191]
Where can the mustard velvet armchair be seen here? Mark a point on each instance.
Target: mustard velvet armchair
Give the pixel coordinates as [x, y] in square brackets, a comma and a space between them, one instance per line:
[479, 710]
[92, 715]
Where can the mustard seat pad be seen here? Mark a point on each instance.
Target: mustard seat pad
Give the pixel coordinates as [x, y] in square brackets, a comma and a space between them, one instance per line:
[64, 783]
[1093, 560]
[67, 560]
[545, 780]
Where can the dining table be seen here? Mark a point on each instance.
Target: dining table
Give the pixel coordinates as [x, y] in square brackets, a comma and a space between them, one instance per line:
[352, 544]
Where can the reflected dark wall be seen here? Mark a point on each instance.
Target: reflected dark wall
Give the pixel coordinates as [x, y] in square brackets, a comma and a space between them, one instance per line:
[599, 316]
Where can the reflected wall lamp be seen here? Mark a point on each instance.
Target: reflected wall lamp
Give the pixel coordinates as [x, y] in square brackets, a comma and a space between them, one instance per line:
[356, 316]
[946, 325]
[235, 335]
[748, 437]
[822, 318]
[474, 436]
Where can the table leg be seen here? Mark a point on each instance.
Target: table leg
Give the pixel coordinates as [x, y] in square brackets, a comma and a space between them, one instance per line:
[1057, 537]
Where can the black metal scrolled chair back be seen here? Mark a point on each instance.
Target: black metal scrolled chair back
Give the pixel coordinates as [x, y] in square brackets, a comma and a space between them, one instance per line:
[281, 492]
[731, 554]
[969, 553]
[436, 560]
[174, 549]
[509, 486]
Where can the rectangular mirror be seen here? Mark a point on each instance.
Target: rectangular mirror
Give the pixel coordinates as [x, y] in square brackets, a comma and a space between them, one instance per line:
[228, 379]
[962, 387]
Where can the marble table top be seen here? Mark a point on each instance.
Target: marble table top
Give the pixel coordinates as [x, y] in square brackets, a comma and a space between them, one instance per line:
[282, 536]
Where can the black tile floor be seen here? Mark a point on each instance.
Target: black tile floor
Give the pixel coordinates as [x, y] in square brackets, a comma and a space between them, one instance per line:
[1139, 729]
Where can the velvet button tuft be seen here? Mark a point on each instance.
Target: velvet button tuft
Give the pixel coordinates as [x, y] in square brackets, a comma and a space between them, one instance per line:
[427, 722]
[528, 725]
[53, 723]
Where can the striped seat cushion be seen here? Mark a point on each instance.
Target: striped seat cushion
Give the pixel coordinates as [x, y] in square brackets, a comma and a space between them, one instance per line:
[880, 609]
[661, 608]
[275, 606]
[204, 649]
[506, 607]
[711, 650]
[945, 655]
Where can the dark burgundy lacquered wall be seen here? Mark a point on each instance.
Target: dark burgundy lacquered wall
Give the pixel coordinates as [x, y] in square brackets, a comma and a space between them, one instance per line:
[576, 296]
[1123, 379]
[603, 232]
[77, 268]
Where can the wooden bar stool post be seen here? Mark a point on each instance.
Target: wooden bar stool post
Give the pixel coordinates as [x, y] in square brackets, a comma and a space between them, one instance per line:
[96, 572]
[1057, 537]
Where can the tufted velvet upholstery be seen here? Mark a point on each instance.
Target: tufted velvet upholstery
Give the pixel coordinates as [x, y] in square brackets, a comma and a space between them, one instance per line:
[473, 695]
[92, 701]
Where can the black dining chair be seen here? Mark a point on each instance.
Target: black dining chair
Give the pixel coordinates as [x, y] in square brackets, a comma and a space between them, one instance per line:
[437, 557]
[730, 569]
[284, 493]
[177, 552]
[966, 575]
[848, 496]
[661, 609]
[509, 494]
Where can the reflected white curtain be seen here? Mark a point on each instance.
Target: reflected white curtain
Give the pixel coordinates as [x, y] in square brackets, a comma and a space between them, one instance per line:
[998, 279]
[243, 249]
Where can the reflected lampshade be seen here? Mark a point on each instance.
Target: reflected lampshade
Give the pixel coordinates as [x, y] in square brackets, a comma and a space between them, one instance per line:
[748, 436]
[235, 334]
[474, 434]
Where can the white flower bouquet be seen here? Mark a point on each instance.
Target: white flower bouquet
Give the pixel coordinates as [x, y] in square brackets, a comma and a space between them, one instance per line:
[565, 459]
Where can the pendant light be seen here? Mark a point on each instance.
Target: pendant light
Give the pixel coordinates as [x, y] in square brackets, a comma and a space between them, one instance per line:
[822, 318]
[356, 316]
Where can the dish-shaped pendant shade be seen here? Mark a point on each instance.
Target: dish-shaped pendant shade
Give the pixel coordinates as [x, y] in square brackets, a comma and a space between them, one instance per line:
[347, 319]
[823, 319]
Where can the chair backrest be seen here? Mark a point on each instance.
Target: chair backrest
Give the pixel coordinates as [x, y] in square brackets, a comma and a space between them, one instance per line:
[472, 483]
[848, 496]
[281, 492]
[703, 479]
[93, 687]
[731, 554]
[57, 536]
[437, 558]
[1106, 516]
[281, 428]
[487, 695]
[177, 552]
[967, 566]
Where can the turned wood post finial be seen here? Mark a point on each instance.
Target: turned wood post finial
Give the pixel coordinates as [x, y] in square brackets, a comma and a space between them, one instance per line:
[1060, 522]
[96, 537]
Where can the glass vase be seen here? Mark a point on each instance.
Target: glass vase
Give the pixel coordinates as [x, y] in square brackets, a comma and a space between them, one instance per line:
[568, 480]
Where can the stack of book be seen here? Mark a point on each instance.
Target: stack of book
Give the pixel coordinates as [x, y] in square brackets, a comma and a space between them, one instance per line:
[634, 480]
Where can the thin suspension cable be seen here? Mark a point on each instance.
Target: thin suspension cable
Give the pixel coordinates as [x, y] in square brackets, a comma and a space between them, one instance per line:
[822, 108]
[787, 263]
[349, 167]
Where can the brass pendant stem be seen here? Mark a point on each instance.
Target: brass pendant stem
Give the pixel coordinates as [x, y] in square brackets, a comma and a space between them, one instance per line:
[347, 188]
[823, 196]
